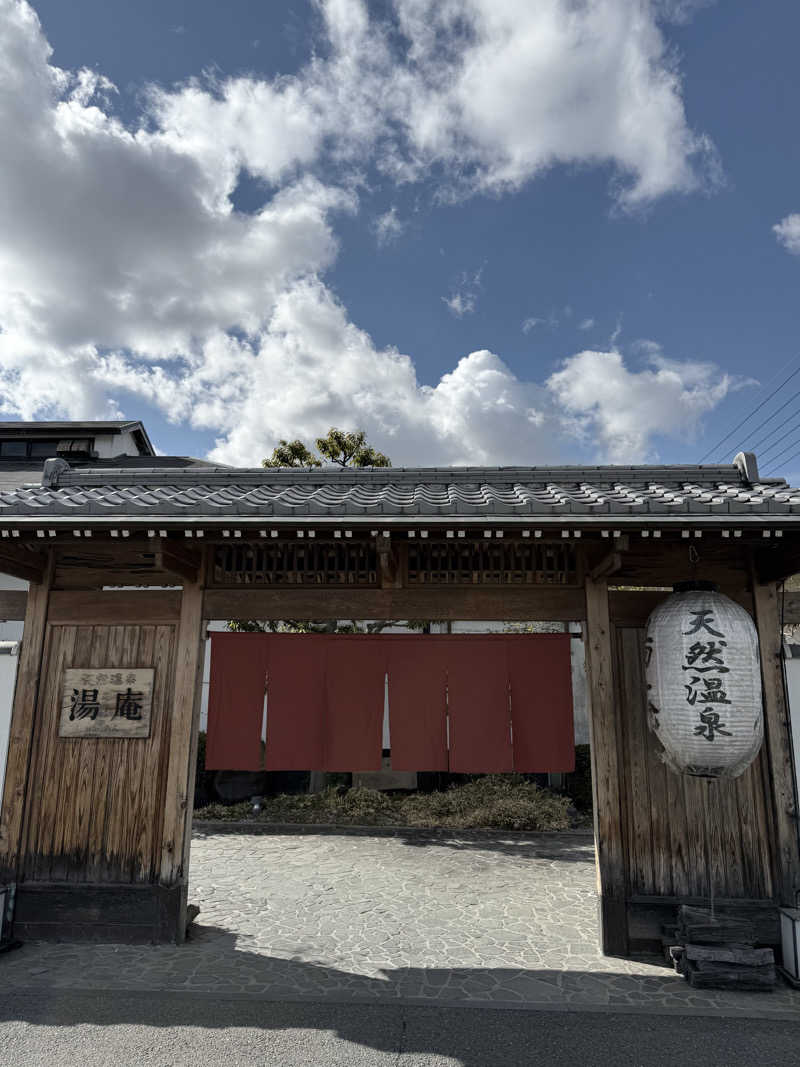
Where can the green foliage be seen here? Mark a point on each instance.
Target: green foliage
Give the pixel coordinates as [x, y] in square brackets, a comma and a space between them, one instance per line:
[502, 802]
[341, 447]
[350, 450]
[291, 454]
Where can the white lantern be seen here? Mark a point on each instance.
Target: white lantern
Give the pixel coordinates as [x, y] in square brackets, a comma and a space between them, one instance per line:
[704, 682]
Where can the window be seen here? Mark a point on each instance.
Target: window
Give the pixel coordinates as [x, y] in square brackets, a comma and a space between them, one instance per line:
[42, 449]
[13, 448]
[33, 449]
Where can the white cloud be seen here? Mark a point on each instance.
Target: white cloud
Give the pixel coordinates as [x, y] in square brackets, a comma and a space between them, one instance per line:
[388, 226]
[502, 89]
[622, 409]
[126, 272]
[493, 91]
[463, 296]
[586, 324]
[788, 233]
[531, 323]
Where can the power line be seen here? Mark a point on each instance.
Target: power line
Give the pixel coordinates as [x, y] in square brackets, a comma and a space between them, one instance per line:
[788, 448]
[784, 464]
[777, 411]
[747, 418]
[761, 441]
[776, 443]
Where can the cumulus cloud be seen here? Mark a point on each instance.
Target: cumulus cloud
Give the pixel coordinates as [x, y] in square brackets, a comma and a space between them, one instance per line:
[492, 92]
[623, 409]
[788, 233]
[126, 272]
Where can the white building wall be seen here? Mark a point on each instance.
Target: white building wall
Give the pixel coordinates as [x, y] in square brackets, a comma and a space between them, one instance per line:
[8, 676]
[115, 444]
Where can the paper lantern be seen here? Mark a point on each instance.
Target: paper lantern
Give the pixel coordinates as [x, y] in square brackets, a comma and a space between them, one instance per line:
[704, 682]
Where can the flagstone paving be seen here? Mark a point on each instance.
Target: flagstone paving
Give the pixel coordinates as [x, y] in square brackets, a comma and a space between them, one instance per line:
[483, 918]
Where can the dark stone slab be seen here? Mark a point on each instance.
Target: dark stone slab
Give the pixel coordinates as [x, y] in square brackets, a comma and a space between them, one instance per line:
[125, 914]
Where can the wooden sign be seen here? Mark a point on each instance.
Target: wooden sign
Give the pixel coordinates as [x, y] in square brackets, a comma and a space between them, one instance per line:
[106, 702]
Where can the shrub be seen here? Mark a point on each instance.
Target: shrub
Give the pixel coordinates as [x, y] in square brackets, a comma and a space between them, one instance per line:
[500, 802]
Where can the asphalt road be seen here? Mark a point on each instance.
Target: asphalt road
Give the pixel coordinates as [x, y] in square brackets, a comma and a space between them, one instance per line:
[173, 1030]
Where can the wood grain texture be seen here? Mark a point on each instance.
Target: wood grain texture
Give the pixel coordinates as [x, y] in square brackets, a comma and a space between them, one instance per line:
[777, 739]
[12, 604]
[606, 777]
[23, 717]
[95, 814]
[535, 603]
[628, 607]
[180, 773]
[684, 833]
[114, 606]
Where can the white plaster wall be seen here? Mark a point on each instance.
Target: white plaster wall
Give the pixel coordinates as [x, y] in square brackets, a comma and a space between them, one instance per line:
[8, 675]
[117, 444]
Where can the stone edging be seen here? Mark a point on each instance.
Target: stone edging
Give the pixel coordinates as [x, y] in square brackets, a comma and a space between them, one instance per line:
[256, 827]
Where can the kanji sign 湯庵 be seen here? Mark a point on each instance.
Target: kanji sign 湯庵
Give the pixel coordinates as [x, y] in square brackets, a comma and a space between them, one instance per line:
[106, 702]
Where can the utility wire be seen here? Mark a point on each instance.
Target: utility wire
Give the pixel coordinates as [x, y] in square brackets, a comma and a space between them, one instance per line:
[788, 448]
[747, 418]
[762, 440]
[775, 444]
[783, 464]
[777, 411]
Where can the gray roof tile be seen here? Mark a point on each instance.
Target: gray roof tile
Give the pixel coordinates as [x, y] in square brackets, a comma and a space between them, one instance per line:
[174, 488]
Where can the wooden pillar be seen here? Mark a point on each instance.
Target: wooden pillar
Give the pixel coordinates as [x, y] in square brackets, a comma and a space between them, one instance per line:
[611, 878]
[22, 723]
[778, 741]
[184, 728]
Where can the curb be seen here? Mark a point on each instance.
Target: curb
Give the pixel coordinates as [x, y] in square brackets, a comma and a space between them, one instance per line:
[220, 826]
[342, 1000]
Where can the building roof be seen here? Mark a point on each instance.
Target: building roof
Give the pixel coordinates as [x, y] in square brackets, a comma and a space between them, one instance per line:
[173, 490]
[76, 429]
[18, 473]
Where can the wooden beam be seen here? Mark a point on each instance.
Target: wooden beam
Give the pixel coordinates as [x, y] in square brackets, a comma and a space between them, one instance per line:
[606, 567]
[777, 560]
[778, 741]
[12, 604]
[81, 606]
[391, 577]
[28, 566]
[175, 559]
[184, 728]
[628, 607]
[506, 603]
[609, 846]
[23, 715]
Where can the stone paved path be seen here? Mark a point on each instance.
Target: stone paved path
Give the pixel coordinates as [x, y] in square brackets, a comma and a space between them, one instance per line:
[478, 918]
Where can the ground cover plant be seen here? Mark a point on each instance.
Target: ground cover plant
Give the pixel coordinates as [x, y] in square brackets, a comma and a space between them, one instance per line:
[503, 802]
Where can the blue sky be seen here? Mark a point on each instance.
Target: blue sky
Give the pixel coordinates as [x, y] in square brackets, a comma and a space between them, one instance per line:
[562, 217]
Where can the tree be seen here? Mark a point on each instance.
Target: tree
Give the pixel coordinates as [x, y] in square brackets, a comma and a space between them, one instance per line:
[343, 448]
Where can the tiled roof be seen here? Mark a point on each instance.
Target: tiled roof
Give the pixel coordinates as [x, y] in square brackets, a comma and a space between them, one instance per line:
[17, 473]
[164, 491]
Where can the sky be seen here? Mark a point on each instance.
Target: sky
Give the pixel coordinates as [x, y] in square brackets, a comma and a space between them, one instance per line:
[483, 231]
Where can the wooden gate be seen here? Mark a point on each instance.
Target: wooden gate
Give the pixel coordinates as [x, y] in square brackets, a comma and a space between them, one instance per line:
[683, 836]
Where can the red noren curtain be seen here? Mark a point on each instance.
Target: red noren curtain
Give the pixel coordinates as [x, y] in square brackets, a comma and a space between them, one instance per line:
[295, 703]
[418, 704]
[236, 702]
[478, 706]
[326, 698]
[541, 702]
